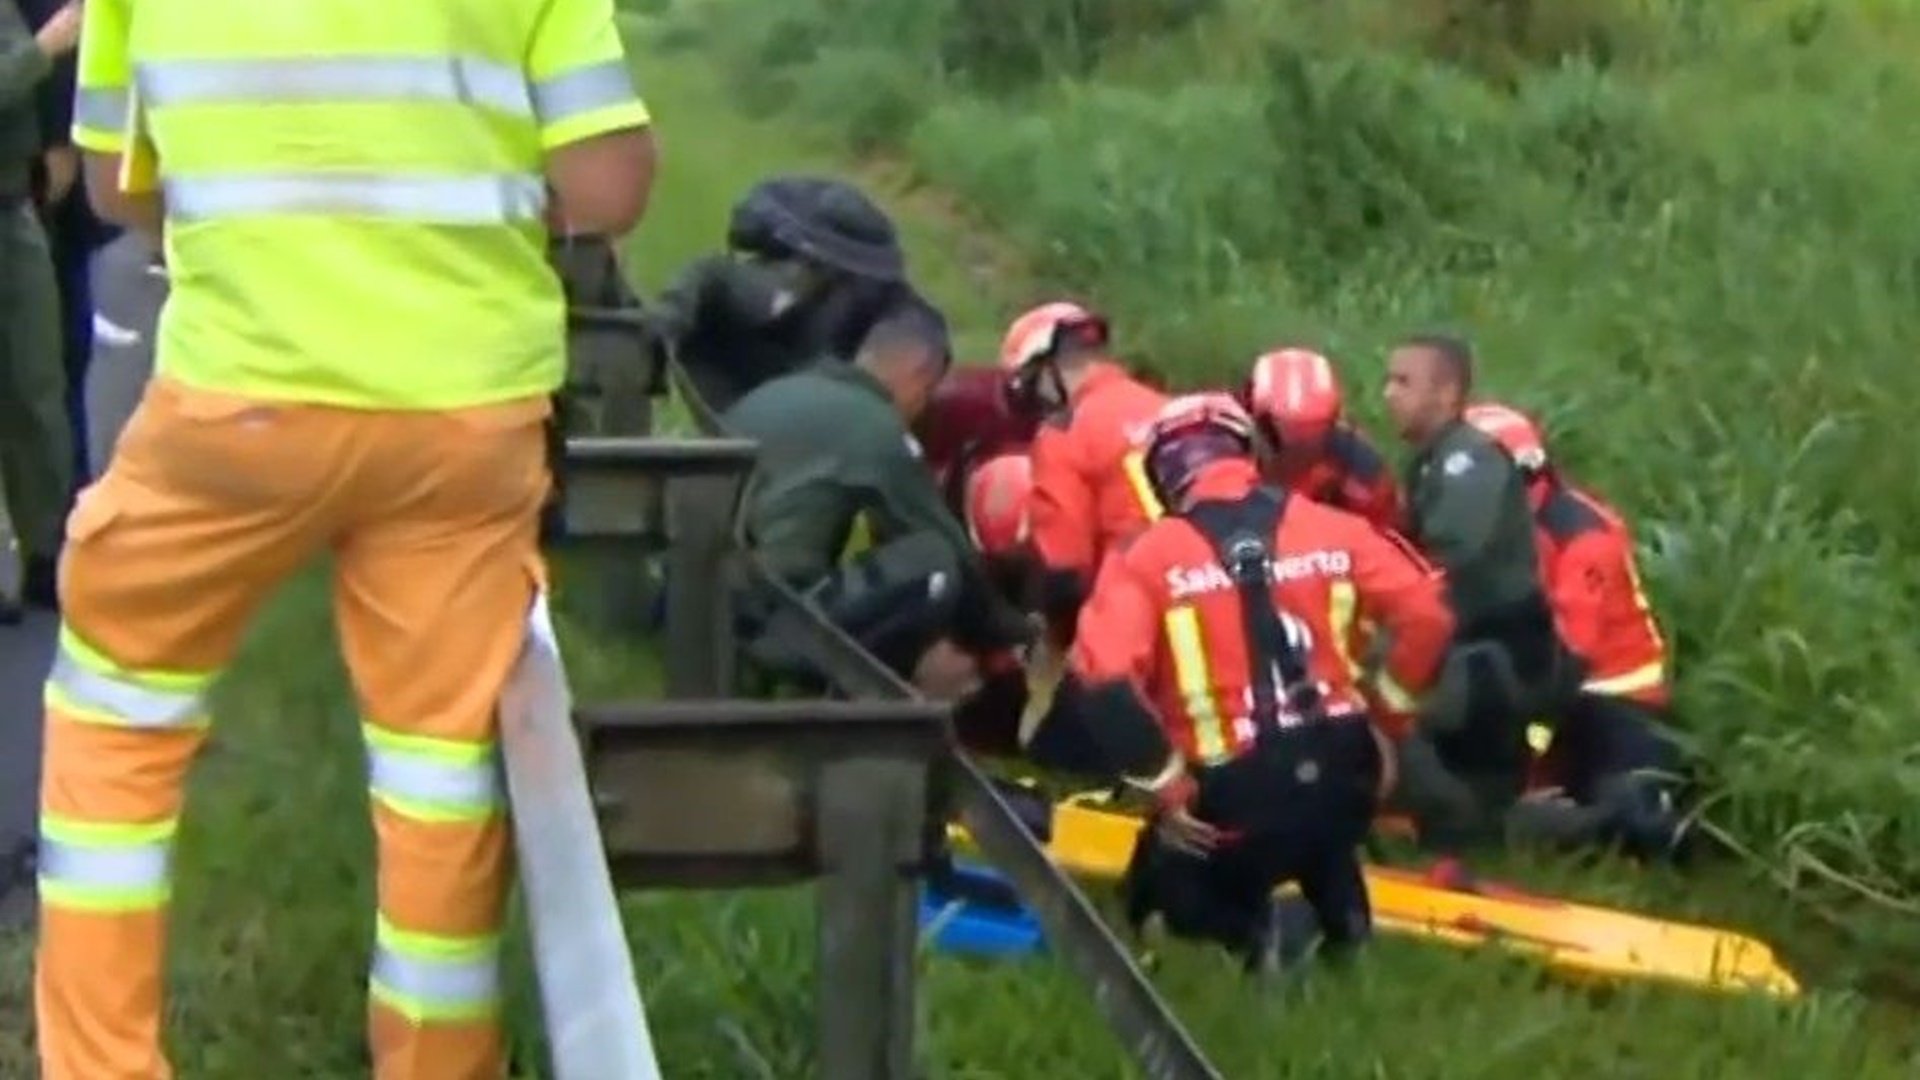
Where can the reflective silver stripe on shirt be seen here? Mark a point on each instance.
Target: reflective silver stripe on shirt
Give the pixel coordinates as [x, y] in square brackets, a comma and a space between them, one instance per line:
[415, 778]
[101, 109]
[436, 983]
[464, 79]
[104, 695]
[582, 90]
[450, 200]
[99, 868]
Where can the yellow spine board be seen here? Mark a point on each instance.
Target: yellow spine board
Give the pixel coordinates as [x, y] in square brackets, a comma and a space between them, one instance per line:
[1579, 940]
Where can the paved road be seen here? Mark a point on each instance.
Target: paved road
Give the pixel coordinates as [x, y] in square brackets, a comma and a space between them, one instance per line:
[128, 297]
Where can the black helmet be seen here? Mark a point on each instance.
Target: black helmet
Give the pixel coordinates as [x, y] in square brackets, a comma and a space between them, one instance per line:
[826, 221]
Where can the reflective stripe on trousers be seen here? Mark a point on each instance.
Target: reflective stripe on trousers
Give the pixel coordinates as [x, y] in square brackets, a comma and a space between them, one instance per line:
[93, 866]
[85, 685]
[433, 780]
[431, 977]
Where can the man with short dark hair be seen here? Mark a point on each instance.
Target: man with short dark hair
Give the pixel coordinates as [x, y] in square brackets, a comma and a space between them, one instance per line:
[834, 446]
[1467, 509]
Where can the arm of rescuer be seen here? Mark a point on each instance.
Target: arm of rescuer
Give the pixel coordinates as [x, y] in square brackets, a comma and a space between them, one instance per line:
[596, 131]
[910, 502]
[1101, 708]
[1585, 572]
[26, 58]
[1061, 515]
[105, 121]
[1403, 599]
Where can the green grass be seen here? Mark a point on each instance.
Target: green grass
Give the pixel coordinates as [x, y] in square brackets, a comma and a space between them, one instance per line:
[273, 915]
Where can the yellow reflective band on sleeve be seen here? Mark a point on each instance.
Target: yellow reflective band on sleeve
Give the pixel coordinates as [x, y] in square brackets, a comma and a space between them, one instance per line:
[1193, 675]
[106, 868]
[1644, 677]
[587, 101]
[99, 117]
[430, 977]
[1135, 466]
[432, 780]
[85, 685]
[1342, 603]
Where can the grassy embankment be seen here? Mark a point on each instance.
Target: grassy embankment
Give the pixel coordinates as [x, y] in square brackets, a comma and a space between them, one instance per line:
[1680, 232]
[274, 903]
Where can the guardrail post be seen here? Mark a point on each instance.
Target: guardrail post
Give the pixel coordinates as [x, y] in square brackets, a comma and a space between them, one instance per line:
[871, 831]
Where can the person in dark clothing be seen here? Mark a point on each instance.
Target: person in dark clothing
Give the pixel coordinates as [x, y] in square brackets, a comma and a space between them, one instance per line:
[1467, 510]
[811, 265]
[834, 447]
[73, 231]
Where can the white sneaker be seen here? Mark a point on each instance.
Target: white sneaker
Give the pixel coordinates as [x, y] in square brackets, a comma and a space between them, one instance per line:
[112, 334]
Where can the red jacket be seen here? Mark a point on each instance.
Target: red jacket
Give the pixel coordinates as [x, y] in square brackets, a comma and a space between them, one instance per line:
[1164, 616]
[968, 421]
[1587, 563]
[1350, 475]
[1089, 479]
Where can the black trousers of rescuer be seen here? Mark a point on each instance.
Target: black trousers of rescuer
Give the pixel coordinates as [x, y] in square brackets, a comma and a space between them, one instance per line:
[1302, 802]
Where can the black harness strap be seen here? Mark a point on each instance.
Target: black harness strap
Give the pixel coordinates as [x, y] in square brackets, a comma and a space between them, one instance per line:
[1241, 533]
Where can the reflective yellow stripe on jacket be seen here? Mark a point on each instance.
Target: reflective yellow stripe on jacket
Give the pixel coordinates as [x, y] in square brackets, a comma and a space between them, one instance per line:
[1193, 674]
[357, 205]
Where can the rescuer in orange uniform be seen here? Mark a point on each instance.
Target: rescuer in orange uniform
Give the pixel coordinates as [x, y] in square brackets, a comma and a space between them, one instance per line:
[1607, 751]
[1214, 669]
[1089, 485]
[1294, 396]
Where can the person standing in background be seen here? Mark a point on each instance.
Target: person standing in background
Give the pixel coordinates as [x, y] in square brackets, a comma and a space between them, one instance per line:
[72, 230]
[36, 443]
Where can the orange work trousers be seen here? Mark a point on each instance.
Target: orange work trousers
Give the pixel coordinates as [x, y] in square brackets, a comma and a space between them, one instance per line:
[210, 502]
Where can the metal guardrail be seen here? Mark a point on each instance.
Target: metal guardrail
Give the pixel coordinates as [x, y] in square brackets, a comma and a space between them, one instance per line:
[1154, 1037]
[707, 790]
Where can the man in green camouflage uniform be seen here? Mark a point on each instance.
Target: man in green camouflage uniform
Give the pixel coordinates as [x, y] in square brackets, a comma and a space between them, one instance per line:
[36, 440]
[834, 446]
[1467, 510]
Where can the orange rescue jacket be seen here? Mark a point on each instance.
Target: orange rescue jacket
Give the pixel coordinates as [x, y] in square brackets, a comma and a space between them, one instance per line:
[1587, 563]
[1165, 617]
[1089, 478]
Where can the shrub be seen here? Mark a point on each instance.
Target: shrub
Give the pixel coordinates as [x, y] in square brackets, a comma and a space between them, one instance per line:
[1702, 271]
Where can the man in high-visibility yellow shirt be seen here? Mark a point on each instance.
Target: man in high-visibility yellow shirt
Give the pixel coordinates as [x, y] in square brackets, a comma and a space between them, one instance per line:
[356, 357]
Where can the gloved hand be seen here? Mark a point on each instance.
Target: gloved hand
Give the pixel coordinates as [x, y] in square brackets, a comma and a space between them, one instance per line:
[988, 722]
[1177, 826]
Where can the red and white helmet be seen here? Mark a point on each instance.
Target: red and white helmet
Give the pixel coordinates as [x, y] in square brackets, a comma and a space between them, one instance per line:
[1034, 339]
[1296, 393]
[1514, 430]
[1190, 433]
[997, 497]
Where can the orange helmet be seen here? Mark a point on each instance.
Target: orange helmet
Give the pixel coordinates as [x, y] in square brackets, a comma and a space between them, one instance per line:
[1516, 433]
[997, 495]
[1295, 392]
[1190, 433]
[1035, 338]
